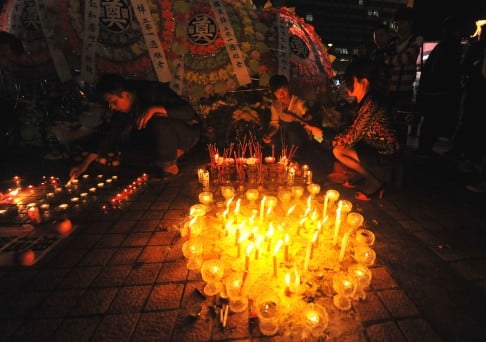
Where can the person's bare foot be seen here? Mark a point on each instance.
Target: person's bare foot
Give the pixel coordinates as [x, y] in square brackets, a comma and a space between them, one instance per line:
[171, 169]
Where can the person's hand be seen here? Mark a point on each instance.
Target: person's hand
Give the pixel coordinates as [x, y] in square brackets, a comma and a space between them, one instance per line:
[77, 171]
[143, 120]
[315, 131]
[267, 139]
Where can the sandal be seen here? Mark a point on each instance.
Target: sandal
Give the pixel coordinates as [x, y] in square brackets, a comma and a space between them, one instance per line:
[363, 196]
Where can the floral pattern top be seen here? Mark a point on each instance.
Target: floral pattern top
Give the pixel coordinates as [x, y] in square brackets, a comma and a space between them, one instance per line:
[371, 126]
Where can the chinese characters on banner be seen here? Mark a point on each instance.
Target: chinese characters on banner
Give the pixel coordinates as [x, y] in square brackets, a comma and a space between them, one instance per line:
[60, 62]
[150, 35]
[283, 48]
[91, 31]
[232, 47]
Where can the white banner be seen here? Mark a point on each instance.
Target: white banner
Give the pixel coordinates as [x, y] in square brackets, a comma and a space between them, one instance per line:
[90, 39]
[151, 37]
[283, 48]
[60, 62]
[229, 38]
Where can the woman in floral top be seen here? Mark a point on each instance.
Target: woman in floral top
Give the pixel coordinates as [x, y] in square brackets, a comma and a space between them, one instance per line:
[370, 140]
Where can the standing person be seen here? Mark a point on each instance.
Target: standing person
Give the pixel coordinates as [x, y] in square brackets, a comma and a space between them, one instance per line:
[439, 91]
[383, 40]
[289, 115]
[147, 114]
[369, 143]
[403, 69]
[473, 117]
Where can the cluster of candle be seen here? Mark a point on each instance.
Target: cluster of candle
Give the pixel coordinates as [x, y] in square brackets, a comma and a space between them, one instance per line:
[50, 199]
[283, 240]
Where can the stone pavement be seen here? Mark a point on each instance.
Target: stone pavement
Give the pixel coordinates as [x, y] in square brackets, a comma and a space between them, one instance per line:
[122, 276]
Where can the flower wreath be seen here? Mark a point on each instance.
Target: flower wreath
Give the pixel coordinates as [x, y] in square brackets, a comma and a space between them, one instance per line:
[207, 68]
[127, 59]
[308, 73]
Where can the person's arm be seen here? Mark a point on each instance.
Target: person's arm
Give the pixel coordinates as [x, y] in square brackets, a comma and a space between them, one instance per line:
[77, 170]
[273, 125]
[358, 128]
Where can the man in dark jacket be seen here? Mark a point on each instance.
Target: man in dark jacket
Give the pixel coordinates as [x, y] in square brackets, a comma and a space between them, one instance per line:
[147, 114]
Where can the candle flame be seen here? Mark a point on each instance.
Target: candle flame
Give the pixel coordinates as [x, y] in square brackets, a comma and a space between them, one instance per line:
[249, 248]
[286, 238]
[291, 209]
[277, 247]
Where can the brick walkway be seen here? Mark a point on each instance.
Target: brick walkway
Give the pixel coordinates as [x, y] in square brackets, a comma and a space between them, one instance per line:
[122, 276]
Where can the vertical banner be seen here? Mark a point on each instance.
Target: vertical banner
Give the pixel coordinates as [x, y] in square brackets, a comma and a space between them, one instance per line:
[151, 37]
[60, 62]
[90, 39]
[15, 15]
[231, 43]
[283, 48]
[177, 81]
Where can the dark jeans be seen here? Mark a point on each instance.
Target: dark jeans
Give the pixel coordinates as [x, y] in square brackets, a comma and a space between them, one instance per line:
[164, 136]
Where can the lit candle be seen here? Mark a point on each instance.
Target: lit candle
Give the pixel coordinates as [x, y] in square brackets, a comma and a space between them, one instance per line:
[287, 284]
[257, 247]
[312, 317]
[237, 210]
[307, 255]
[337, 223]
[301, 224]
[16, 180]
[262, 207]
[33, 213]
[286, 247]
[344, 244]
[275, 251]
[247, 258]
[269, 236]
[314, 243]
[324, 209]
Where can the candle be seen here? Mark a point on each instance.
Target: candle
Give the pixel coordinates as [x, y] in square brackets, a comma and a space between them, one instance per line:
[33, 213]
[286, 248]
[257, 247]
[324, 209]
[337, 223]
[225, 316]
[314, 243]
[247, 258]
[262, 207]
[307, 255]
[344, 244]
[269, 236]
[301, 224]
[275, 251]
[287, 284]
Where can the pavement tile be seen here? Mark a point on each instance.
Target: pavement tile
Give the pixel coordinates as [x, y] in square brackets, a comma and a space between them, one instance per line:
[97, 256]
[45, 279]
[418, 330]
[165, 297]
[116, 327]
[94, 301]
[125, 255]
[64, 258]
[82, 240]
[237, 326]
[111, 240]
[189, 329]
[143, 274]
[155, 326]
[397, 303]
[173, 271]
[36, 330]
[12, 282]
[153, 254]
[147, 225]
[130, 299]
[80, 329]
[175, 214]
[160, 204]
[153, 215]
[20, 304]
[123, 226]
[387, 331]
[471, 269]
[58, 303]
[132, 214]
[162, 238]
[371, 309]
[80, 277]
[112, 276]
[136, 239]
[382, 279]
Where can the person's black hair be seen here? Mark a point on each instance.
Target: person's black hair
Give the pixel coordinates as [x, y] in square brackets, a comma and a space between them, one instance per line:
[111, 84]
[360, 68]
[13, 42]
[278, 81]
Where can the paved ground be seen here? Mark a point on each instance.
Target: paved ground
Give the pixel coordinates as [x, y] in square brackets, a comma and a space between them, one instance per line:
[122, 276]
